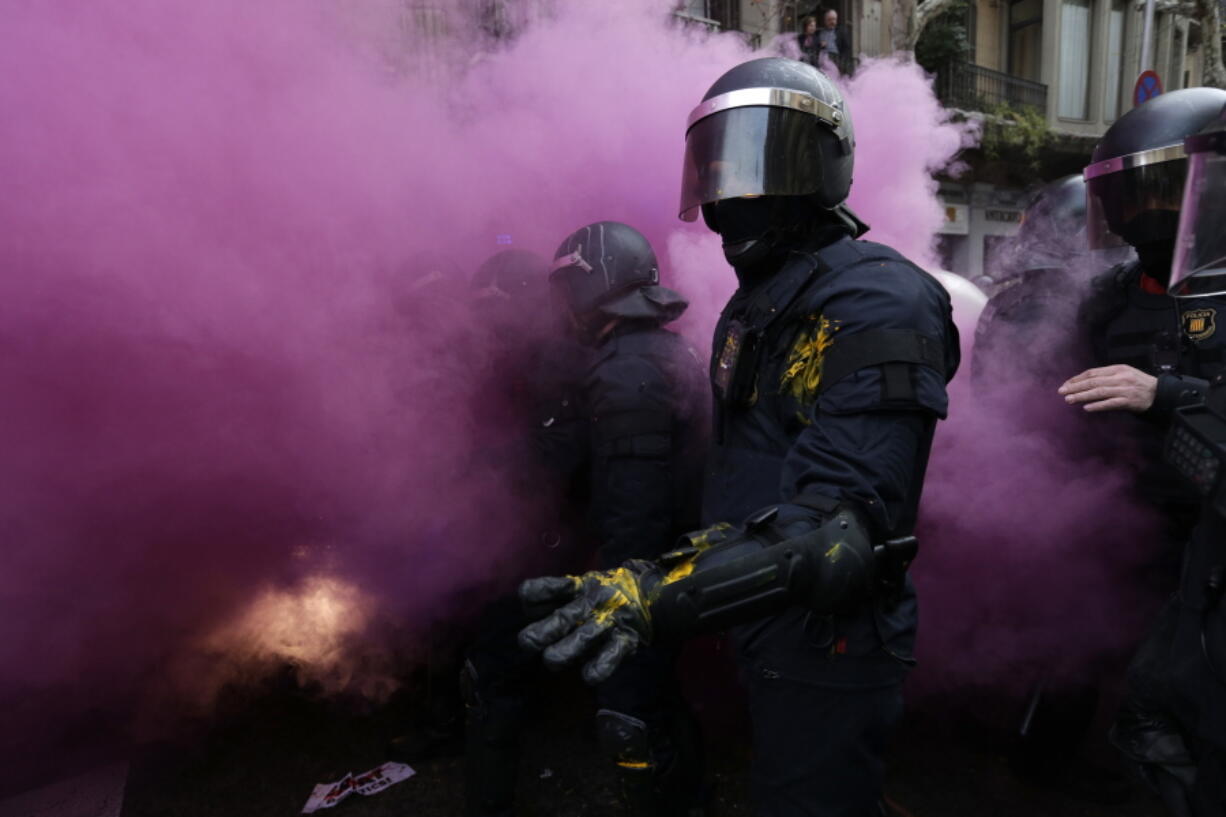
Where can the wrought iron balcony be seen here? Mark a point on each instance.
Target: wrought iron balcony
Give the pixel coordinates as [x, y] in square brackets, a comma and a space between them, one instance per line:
[975, 88]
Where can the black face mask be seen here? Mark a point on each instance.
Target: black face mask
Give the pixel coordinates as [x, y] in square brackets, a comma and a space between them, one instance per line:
[1152, 233]
[754, 229]
[1156, 258]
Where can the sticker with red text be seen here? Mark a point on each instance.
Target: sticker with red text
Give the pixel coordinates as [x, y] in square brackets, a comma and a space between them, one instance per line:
[327, 795]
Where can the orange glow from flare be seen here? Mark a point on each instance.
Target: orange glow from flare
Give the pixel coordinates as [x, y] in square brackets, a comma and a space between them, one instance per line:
[322, 626]
[310, 625]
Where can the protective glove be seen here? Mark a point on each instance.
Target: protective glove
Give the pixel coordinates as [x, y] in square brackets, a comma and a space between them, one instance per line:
[606, 613]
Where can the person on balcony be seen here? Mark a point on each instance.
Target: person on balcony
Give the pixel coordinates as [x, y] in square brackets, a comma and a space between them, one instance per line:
[808, 40]
[832, 42]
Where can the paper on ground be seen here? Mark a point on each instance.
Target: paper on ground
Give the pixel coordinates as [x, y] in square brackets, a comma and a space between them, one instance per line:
[327, 795]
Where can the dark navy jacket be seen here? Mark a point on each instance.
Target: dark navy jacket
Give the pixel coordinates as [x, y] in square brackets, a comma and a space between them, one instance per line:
[636, 432]
[803, 426]
[1180, 341]
[847, 440]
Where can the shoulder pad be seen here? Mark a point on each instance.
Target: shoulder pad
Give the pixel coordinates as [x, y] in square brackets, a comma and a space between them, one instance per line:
[1108, 293]
[848, 252]
[1125, 276]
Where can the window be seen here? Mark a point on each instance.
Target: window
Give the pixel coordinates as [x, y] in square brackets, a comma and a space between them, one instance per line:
[695, 8]
[953, 253]
[1074, 100]
[789, 19]
[1025, 38]
[1115, 62]
[726, 12]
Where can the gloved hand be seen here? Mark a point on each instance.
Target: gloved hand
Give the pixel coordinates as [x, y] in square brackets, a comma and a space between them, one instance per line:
[606, 613]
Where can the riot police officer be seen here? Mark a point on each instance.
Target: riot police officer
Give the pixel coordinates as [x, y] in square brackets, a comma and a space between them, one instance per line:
[1023, 345]
[1150, 353]
[1154, 354]
[829, 370]
[630, 428]
[494, 368]
[508, 293]
[1175, 727]
[1038, 274]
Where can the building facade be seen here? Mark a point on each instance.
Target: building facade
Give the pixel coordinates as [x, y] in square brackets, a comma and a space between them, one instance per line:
[1068, 65]
[1074, 63]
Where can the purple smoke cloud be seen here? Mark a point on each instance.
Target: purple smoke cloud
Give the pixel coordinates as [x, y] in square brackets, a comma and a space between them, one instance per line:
[219, 379]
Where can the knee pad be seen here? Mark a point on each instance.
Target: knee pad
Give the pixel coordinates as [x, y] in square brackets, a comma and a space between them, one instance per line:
[625, 739]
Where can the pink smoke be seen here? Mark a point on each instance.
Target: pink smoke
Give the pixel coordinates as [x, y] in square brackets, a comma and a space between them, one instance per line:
[1033, 546]
[904, 138]
[216, 381]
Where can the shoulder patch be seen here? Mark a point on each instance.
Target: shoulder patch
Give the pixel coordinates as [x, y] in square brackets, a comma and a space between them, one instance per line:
[1199, 324]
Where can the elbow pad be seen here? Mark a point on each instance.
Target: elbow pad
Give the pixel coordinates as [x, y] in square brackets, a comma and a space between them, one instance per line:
[722, 577]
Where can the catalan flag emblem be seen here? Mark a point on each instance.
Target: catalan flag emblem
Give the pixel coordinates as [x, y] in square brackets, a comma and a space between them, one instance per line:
[1199, 324]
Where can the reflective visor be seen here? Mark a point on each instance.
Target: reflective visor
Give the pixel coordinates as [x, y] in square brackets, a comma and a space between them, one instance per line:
[1199, 269]
[749, 151]
[1117, 190]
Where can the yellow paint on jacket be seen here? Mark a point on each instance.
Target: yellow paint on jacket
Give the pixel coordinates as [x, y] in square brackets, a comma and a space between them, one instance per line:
[803, 373]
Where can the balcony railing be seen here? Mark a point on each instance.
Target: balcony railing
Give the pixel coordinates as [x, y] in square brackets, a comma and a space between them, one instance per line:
[687, 18]
[975, 88]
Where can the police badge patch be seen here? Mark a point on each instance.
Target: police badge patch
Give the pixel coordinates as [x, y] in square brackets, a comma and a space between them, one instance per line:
[1199, 324]
[725, 366]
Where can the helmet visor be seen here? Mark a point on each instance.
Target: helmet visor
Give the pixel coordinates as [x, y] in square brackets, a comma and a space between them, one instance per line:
[1199, 268]
[750, 151]
[1115, 198]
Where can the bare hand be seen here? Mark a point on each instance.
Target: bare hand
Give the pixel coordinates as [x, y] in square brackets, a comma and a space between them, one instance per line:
[1111, 388]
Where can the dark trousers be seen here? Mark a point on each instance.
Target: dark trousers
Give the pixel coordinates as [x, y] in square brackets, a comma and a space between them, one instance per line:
[823, 701]
[1209, 796]
[1169, 723]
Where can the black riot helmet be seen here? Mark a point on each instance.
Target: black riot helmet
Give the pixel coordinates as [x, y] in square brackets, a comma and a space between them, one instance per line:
[1052, 232]
[1057, 207]
[509, 291]
[768, 127]
[1199, 268]
[424, 286]
[1136, 174]
[609, 269]
[510, 275]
